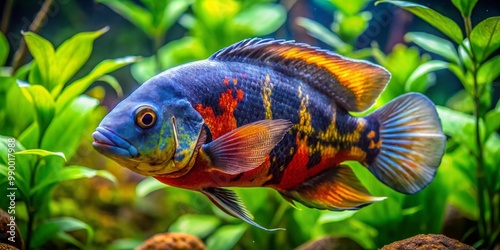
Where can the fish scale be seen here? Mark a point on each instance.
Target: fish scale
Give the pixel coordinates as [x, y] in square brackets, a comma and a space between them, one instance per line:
[274, 113]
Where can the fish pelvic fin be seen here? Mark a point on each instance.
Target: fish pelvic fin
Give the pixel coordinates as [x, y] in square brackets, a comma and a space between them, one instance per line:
[246, 147]
[336, 188]
[412, 143]
[229, 202]
[354, 84]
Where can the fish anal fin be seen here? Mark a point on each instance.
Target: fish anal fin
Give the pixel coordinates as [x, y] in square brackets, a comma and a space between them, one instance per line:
[229, 202]
[354, 84]
[334, 189]
[246, 147]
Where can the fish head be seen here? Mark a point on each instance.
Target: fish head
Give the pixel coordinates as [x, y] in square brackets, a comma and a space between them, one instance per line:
[140, 133]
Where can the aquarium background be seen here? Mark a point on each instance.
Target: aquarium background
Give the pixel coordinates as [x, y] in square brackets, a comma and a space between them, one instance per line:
[86, 56]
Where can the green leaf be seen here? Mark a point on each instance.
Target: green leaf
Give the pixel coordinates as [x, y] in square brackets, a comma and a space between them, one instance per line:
[111, 81]
[172, 12]
[23, 174]
[79, 86]
[349, 7]
[320, 32]
[70, 57]
[465, 6]
[148, 186]
[226, 237]
[440, 22]
[43, 103]
[136, 14]
[73, 172]
[275, 16]
[492, 120]
[196, 224]
[4, 49]
[44, 55]
[328, 217]
[41, 152]
[489, 71]
[485, 38]
[423, 70]
[350, 27]
[434, 44]
[50, 228]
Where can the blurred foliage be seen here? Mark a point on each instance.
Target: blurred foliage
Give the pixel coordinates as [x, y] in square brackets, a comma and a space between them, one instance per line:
[38, 104]
[59, 206]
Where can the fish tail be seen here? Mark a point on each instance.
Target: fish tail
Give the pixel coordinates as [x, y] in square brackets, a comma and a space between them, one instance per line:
[411, 143]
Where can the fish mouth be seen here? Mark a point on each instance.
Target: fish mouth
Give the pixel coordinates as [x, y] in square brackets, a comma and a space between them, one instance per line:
[108, 143]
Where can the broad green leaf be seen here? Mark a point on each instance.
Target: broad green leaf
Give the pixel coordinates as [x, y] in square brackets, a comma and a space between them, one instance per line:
[440, 22]
[196, 224]
[485, 38]
[4, 49]
[113, 83]
[136, 14]
[350, 27]
[71, 173]
[51, 227]
[489, 71]
[274, 16]
[41, 152]
[434, 44]
[465, 6]
[73, 118]
[349, 7]
[44, 55]
[22, 174]
[459, 126]
[43, 103]
[320, 32]
[16, 111]
[226, 237]
[148, 186]
[492, 120]
[79, 86]
[70, 57]
[423, 70]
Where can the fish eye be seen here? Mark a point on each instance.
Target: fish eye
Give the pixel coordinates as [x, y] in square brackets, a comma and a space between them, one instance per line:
[145, 117]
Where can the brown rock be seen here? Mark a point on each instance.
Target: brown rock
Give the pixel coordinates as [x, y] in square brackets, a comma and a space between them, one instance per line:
[4, 246]
[4, 233]
[427, 242]
[172, 241]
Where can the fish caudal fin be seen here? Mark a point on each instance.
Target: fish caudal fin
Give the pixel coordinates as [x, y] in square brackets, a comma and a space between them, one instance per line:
[336, 188]
[412, 143]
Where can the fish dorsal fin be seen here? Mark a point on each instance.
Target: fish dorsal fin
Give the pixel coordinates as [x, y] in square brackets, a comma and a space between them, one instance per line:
[354, 84]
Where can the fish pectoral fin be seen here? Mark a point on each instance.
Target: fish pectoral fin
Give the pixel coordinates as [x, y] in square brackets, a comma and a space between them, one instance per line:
[334, 189]
[229, 202]
[246, 147]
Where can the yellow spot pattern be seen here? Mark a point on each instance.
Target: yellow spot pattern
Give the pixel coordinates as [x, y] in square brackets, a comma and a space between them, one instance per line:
[267, 90]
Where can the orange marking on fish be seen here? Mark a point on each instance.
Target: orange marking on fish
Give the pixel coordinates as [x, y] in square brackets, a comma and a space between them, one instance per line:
[225, 122]
[374, 145]
[226, 80]
[235, 81]
[371, 135]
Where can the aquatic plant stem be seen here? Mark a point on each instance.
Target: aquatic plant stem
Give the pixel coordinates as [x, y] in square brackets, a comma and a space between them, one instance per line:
[482, 190]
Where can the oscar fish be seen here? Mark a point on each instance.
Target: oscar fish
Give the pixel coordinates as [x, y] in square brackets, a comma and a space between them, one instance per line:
[274, 113]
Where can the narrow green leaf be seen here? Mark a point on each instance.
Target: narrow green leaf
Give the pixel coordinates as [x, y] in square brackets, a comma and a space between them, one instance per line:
[440, 22]
[172, 12]
[43, 103]
[328, 217]
[44, 54]
[422, 70]
[50, 228]
[489, 71]
[465, 6]
[434, 44]
[318, 31]
[485, 38]
[275, 16]
[4, 49]
[136, 14]
[79, 86]
[148, 186]
[41, 152]
[23, 174]
[71, 56]
[196, 224]
[113, 83]
[226, 237]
